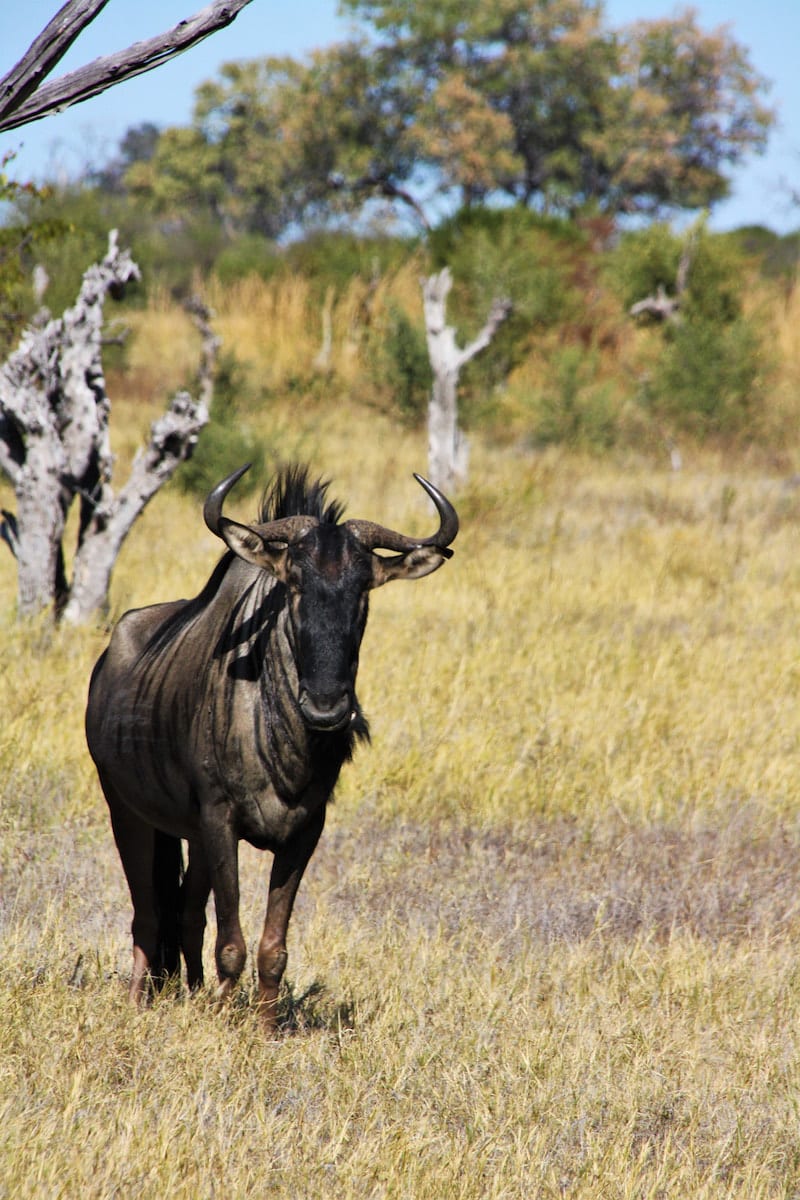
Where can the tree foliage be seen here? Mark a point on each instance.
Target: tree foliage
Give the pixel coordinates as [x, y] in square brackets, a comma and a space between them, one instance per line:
[542, 103]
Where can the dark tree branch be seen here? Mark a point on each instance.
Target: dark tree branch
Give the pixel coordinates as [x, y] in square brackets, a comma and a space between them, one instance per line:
[381, 185]
[23, 96]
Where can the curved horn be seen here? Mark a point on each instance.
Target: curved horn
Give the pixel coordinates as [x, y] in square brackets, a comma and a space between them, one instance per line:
[285, 529]
[374, 536]
[212, 509]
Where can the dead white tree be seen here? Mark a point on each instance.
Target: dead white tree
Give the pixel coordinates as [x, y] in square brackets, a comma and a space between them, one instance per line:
[661, 305]
[25, 97]
[55, 447]
[447, 446]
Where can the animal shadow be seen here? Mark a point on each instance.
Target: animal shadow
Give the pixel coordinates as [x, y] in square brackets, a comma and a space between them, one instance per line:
[313, 1009]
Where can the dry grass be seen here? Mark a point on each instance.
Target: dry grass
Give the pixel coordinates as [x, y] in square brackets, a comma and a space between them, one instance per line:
[547, 946]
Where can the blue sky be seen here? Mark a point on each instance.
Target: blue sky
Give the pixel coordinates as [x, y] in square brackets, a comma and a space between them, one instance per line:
[90, 132]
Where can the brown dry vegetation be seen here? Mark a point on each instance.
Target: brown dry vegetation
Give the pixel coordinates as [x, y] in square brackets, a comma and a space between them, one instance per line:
[547, 946]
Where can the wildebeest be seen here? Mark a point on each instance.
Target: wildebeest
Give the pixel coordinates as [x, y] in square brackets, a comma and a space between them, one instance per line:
[229, 716]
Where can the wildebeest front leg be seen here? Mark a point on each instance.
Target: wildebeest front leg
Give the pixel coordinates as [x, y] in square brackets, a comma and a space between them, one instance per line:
[221, 847]
[288, 867]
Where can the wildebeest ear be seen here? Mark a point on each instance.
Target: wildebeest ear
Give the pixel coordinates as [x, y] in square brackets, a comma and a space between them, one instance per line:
[414, 564]
[248, 544]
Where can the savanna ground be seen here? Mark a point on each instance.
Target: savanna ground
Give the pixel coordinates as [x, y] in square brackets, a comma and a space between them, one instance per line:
[548, 944]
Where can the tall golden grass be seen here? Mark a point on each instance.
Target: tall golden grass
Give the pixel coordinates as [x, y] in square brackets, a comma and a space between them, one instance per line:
[547, 946]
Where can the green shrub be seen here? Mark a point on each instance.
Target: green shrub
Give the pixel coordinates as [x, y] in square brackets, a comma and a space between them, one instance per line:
[644, 261]
[777, 255]
[168, 253]
[708, 379]
[336, 258]
[26, 231]
[250, 254]
[226, 443]
[573, 409]
[648, 259]
[401, 366]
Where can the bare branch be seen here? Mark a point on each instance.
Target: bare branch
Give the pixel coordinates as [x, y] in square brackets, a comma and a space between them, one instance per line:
[202, 316]
[54, 441]
[172, 440]
[108, 70]
[45, 51]
[498, 312]
[661, 306]
[55, 446]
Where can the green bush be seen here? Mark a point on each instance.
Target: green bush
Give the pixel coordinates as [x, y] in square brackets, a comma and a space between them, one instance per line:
[336, 258]
[649, 259]
[708, 373]
[226, 443]
[777, 255]
[169, 254]
[401, 365]
[708, 379]
[572, 408]
[250, 254]
[644, 261]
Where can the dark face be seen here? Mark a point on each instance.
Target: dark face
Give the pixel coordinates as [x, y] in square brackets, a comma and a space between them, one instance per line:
[328, 581]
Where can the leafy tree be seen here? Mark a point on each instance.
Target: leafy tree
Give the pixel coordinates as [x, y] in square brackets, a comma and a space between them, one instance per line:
[182, 179]
[539, 101]
[274, 140]
[561, 111]
[688, 109]
[137, 146]
[469, 142]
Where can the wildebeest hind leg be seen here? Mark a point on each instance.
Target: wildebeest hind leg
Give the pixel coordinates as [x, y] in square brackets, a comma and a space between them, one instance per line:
[167, 872]
[136, 845]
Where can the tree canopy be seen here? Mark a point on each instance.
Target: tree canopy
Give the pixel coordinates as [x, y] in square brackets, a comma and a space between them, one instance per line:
[540, 102]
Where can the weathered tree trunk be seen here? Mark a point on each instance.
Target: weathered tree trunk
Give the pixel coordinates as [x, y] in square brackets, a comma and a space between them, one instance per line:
[55, 448]
[448, 452]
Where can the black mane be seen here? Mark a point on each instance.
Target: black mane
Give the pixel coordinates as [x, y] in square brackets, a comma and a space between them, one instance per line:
[292, 494]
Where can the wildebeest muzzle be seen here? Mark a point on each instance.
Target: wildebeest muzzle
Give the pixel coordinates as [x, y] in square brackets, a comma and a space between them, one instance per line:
[327, 712]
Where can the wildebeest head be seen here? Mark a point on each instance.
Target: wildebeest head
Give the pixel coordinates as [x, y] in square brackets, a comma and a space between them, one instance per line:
[328, 568]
